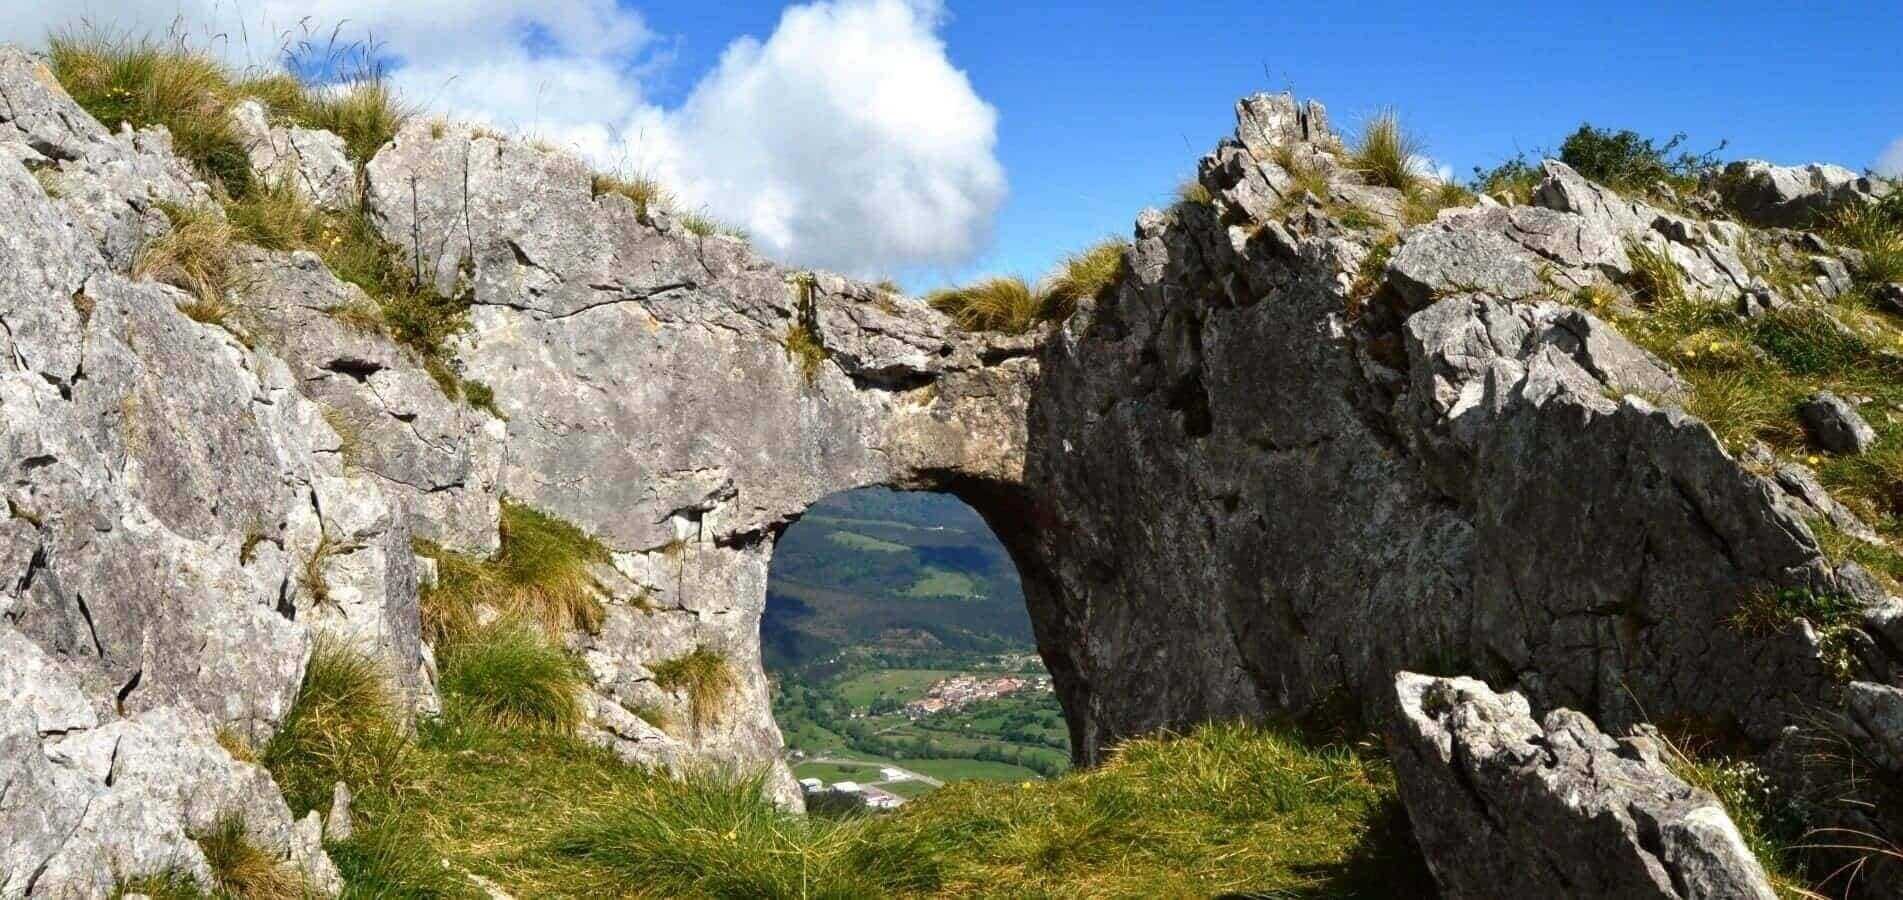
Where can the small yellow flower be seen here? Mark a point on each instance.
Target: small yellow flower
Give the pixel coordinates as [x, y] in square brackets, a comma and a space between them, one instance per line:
[1813, 460]
[730, 834]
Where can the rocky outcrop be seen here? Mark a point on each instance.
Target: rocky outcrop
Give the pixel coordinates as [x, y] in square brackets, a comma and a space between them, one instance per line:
[314, 163]
[1790, 196]
[177, 523]
[651, 394]
[1504, 806]
[1835, 424]
[1286, 468]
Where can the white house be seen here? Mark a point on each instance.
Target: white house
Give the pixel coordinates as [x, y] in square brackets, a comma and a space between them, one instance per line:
[892, 774]
[810, 785]
[847, 787]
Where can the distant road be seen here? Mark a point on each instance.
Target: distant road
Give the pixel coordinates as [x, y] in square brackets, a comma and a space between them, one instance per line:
[913, 776]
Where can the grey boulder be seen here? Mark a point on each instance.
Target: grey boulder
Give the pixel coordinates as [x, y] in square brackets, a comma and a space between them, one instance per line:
[1767, 194]
[1835, 424]
[1504, 806]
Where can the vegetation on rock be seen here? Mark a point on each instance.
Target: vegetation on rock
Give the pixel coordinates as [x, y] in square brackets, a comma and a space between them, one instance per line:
[1011, 305]
[704, 675]
[540, 573]
[507, 674]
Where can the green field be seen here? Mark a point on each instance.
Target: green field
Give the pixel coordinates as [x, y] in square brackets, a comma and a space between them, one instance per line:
[835, 772]
[938, 582]
[962, 769]
[862, 542]
[902, 685]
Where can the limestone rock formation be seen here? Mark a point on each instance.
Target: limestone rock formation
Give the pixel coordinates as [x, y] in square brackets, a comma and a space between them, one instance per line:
[1790, 196]
[1504, 806]
[653, 397]
[313, 163]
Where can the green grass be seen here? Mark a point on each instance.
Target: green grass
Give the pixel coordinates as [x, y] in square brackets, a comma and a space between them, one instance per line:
[508, 675]
[805, 349]
[147, 83]
[704, 675]
[1225, 809]
[836, 772]
[119, 78]
[541, 572]
[1387, 154]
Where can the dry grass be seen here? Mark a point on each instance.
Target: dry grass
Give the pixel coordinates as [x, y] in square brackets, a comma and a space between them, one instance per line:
[1192, 191]
[243, 871]
[541, 573]
[1086, 275]
[1006, 304]
[704, 675]
[644, 190]
[195, 256]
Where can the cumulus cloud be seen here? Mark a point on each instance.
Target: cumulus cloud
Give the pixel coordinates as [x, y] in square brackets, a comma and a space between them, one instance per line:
[1890, 161]
[846, 139]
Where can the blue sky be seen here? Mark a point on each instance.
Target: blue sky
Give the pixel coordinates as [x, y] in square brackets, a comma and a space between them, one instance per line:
[940, 140]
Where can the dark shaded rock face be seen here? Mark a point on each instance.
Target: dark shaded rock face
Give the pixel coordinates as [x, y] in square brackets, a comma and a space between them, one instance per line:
[1276, 475]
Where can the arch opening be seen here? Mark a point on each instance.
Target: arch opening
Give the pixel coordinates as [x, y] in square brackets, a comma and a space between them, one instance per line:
[901, 652]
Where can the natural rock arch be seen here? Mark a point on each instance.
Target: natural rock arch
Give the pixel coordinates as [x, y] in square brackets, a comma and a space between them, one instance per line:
[654, 394]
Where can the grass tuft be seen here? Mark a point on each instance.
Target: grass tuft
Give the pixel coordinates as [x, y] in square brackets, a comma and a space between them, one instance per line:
[1086, 275]
[805, 348]
[646, 191]
[704, 675]
[1656, 279]
[194, 256]
[541, 572]
[1193, 192]
[1228, 809]
[1876, 230]
[508, 675]
[243, 871]
[1006, 304]
[1387, 155]
[145, 83]
[344, 726]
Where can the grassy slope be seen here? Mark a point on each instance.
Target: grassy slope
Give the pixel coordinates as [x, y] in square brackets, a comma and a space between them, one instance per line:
[899, 684]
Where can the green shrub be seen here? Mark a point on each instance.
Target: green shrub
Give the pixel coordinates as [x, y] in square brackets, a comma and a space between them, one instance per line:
[1512, 181]
[704, 675]
[508, 675]
[1387, 155]
[540, 572]
[344, 726]
[804, 347]
[1627, 161]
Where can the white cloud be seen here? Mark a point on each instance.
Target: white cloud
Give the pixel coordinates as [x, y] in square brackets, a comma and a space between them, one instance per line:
[1890, 161]
[844, 140]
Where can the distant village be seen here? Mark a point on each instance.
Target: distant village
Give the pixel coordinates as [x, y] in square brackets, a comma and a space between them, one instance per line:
[962, 690]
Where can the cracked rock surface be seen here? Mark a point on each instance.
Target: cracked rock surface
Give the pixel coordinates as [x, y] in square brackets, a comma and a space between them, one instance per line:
[1504, 806]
